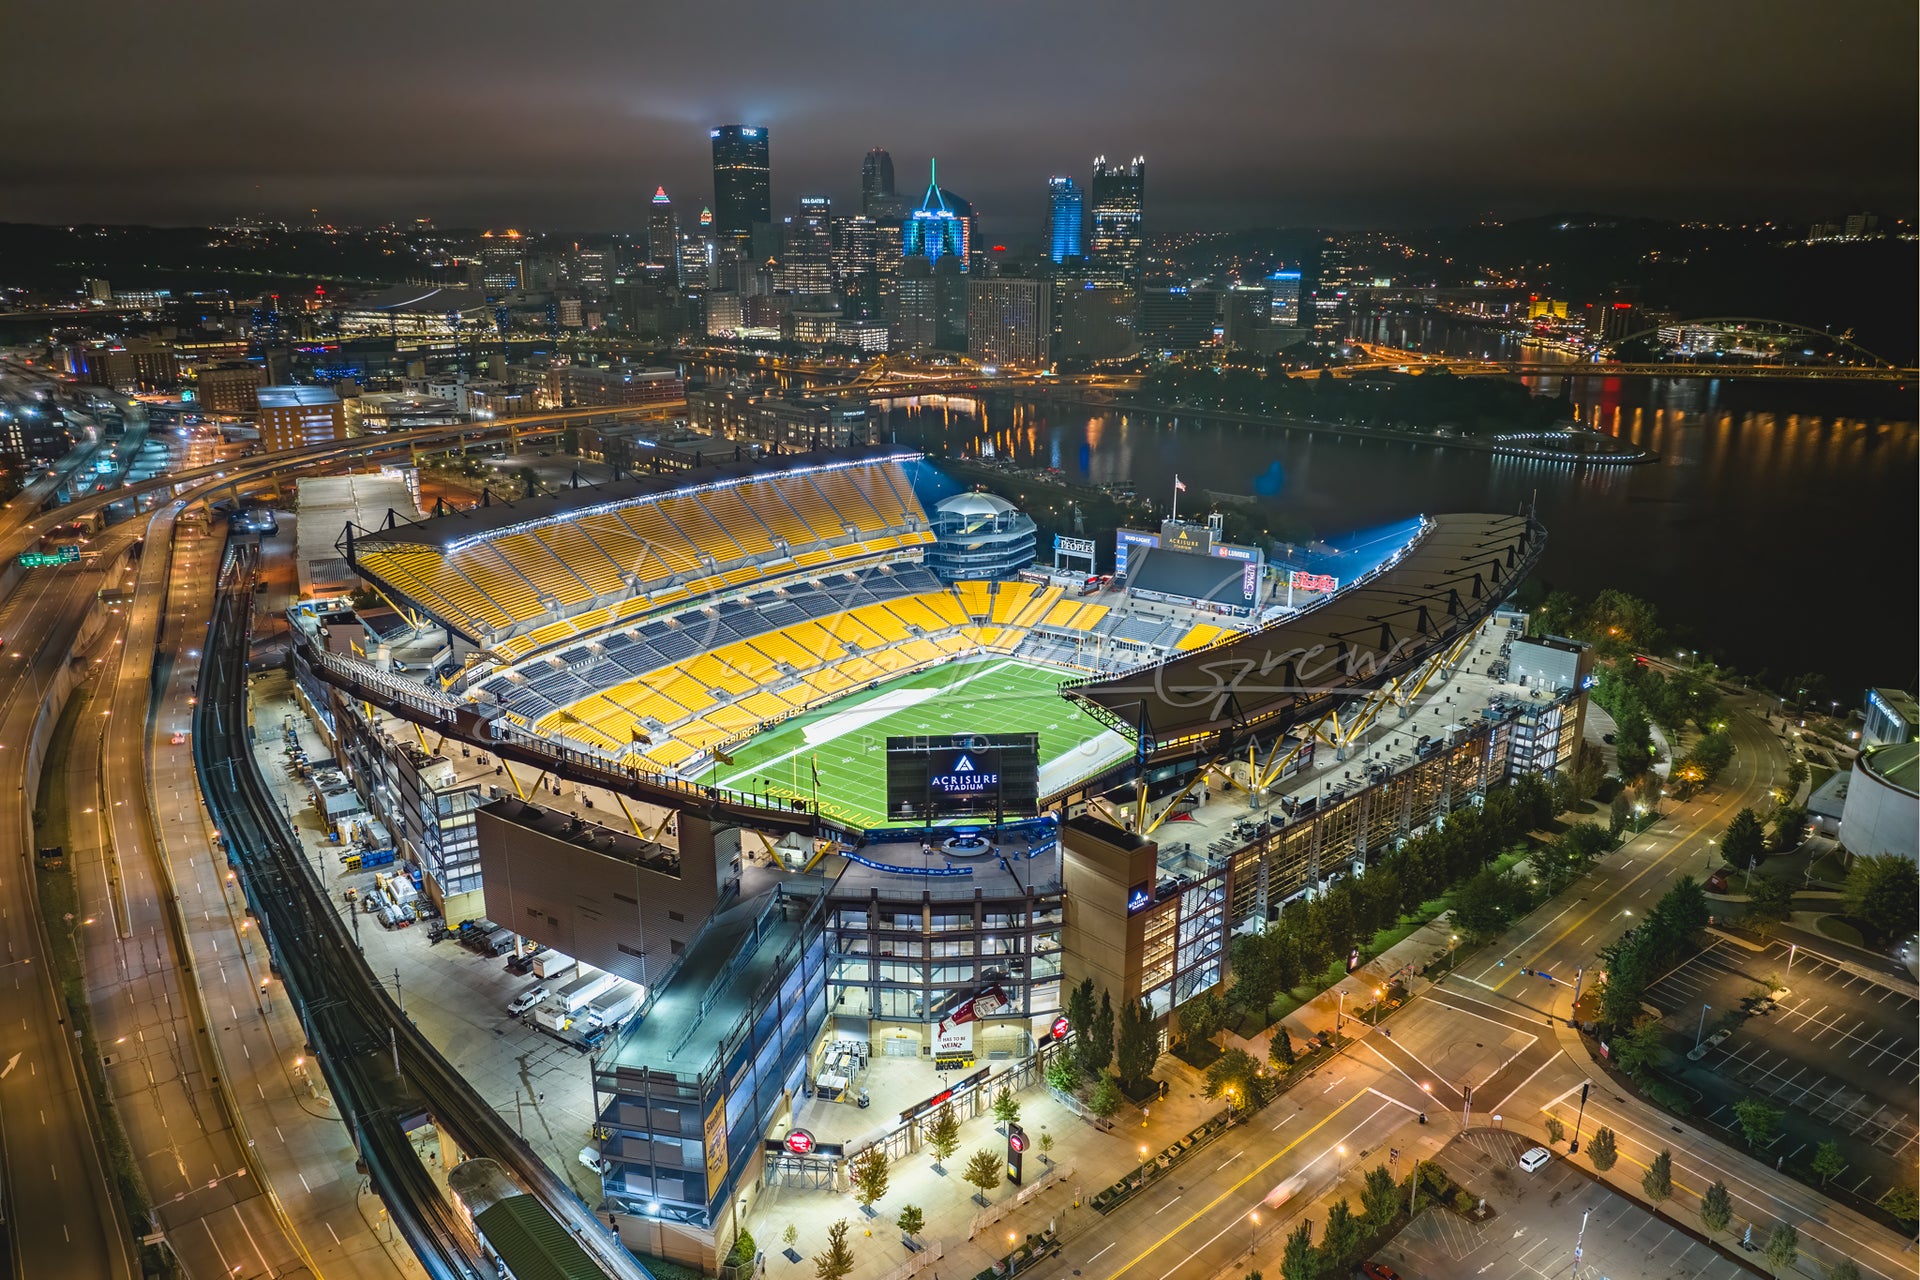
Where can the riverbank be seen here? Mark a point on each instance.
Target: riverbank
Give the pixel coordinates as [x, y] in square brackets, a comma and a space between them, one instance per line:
[1580, 446]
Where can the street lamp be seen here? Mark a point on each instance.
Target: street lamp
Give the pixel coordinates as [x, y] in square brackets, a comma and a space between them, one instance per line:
[1253, 1232]
[1377, 993]
[1701, 1030]
[1573, 1148]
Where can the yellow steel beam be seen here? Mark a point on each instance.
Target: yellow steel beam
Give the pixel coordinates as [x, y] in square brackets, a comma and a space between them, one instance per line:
[631, 820]
[1148, 828]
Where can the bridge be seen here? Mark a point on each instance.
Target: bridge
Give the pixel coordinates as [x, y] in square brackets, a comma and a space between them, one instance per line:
[1381, 357]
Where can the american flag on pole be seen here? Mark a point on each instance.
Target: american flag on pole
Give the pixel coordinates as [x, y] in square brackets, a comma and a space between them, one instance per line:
[1179, 485]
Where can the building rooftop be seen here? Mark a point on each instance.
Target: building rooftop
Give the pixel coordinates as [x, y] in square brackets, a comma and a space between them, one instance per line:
[559, 825]
[1897, 764]
[294, 397]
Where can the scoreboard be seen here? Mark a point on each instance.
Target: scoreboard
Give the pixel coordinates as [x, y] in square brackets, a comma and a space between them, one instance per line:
[975, 775]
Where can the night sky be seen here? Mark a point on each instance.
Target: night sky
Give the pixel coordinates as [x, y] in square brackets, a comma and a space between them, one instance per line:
[565, 115]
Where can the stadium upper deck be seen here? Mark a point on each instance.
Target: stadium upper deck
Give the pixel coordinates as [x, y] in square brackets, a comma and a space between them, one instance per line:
[529, 574]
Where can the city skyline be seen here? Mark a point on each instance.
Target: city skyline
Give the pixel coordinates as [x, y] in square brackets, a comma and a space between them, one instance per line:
[1436, 118]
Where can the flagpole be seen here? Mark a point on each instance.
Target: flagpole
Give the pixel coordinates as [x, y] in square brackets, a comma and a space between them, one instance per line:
[1176, 496]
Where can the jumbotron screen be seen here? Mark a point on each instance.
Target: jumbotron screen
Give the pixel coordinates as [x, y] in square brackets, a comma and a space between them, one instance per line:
[974, 775]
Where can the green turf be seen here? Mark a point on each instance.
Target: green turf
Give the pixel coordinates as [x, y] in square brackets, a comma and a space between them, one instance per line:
[988, 695]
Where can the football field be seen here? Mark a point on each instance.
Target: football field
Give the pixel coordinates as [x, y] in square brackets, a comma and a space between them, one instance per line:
[847, 739]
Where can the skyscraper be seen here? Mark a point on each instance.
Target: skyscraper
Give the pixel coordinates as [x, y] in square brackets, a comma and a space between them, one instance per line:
[808, 264]
[662, 231]
[742, 185]
[1010, 321]
[1118, 199]
[877, 198]
[1065, 205]
[937, 229]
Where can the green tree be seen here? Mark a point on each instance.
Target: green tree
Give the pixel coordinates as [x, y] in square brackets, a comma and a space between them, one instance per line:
[983, 1171]
[1136, 1046]
[1902, 1203]
[1657, 1181]
[1758, 1121]
[1796, 776]
[1555, 1130]
[1883, 892]
[1640, 1049]
[1743, 843]
[1783, 1247]
[1769, 904]
[1096, 1042]
[790, 1235]
[1046, 1146]
[1105, 1099]
[1379, 1198]
[1300, 1261]
[1828, 1162]
[1716, 1208]
[835, 1262]
[1082, 1006]
[1203, 1016]
[1061, 1074]
[1491, 901]
[1342, 1231]
[1006, 1107]
[1619, 813]
[1845, 1269]
[1789, 823]
[868, 1172]
[943, 1134]
[1235, 1076]
[911, 1220]
[1280, 1049]
[1601, 1150]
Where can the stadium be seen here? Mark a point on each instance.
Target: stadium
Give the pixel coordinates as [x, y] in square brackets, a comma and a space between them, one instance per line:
[726, 735]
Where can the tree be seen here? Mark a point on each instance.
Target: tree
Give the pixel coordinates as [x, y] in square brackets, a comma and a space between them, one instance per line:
[1758, 1121]
[1491, 901]
[1301, 1261]
[1783, 1247]
[911, 1220]
[1104, 1101]
[1657, 1181]
[1379, 1198]
[1845, 1269]
[1883, 891]
[1828, 1162]
[1902, 1203]
[835, 1262]
[1062, 1075]
[943, 1134]
[868, 1172]
[1234, 1075]
[1093, 1039]
[1203, 1016]
[1769, 904]
[983, 1171]
[1046, 1146]
[1341, 1232]
[1280, 1049]
[1716, 1208]
[1136, 1046]
[1006, 1107]
[1555, 1130]
[1796, 776]
[1619, 813]
[1743, 843]
[1789, 824]
[1639, 1049]
[1601, 1150]
[1081, 1008]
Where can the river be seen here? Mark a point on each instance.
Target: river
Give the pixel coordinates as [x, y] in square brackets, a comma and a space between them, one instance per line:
[1776, 531]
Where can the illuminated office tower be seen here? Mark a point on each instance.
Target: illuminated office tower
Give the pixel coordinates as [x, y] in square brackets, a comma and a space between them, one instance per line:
[1118, 197]
[742, 181]
[662, 230]
[1066, 205]
[807, 266]
[942, 227]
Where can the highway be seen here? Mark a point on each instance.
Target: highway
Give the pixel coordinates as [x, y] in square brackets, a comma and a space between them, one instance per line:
[67, 1220]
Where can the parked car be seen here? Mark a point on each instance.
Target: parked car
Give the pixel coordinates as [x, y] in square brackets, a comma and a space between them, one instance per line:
[526, 1000]
[1378, 1271]
[1535, 1160]
[1717, 882]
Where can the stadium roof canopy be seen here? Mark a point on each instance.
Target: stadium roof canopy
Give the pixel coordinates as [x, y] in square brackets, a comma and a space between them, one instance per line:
[457, 527]
[1410, 608]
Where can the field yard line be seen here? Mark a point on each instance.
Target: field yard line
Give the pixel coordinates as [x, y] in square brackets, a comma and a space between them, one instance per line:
[805, 747]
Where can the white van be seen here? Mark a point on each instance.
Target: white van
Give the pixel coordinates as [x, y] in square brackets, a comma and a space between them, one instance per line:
[1535, 1160]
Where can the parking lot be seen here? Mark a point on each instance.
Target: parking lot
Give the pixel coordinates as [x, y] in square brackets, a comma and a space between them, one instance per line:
[1538, 1218]
[1837, 1053]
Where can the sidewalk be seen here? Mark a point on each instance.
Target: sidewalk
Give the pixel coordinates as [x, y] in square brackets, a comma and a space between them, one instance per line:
[1096, 1159]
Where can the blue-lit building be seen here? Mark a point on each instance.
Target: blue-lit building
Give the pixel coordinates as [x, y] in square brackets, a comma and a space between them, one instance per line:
[942, 227]
[1066, 207]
